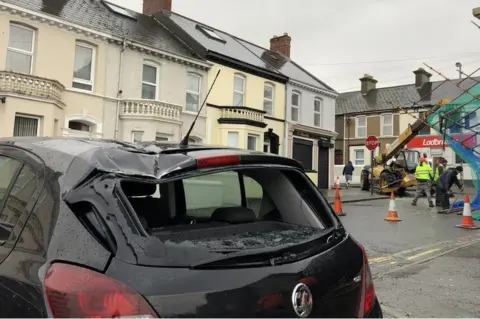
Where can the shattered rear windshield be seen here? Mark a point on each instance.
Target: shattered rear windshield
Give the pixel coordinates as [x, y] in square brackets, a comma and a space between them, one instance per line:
[227, 211]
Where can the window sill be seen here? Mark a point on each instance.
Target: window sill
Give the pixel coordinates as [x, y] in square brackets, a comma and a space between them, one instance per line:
[193, 113]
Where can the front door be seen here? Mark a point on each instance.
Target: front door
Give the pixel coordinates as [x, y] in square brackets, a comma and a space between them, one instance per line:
[323, 167]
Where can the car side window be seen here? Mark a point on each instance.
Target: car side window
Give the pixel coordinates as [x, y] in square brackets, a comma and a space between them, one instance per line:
[15, 202]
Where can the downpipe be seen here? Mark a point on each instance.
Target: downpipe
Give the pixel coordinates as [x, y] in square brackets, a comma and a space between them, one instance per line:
[119, 88]
[285, 133]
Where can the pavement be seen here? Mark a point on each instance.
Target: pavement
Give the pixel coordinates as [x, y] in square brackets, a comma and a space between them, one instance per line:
[423, 266]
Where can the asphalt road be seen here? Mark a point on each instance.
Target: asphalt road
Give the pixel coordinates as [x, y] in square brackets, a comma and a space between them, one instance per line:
[423, 266]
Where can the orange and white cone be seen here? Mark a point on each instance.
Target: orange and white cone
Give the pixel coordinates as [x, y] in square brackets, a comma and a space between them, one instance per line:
[337, 203]
[467, 219]
[392, 215]
[337, 183]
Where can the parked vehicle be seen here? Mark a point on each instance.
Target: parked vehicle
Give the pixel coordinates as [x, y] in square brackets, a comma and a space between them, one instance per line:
[98, 228]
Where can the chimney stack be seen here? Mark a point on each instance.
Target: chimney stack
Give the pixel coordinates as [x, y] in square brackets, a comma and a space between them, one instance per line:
[281, 44]
[421, 77]
[153, 6]
[368, 83]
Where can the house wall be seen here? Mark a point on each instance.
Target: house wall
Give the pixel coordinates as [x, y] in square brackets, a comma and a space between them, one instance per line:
[222, 95]
[58, 67]
[307, 98]
[171, 91]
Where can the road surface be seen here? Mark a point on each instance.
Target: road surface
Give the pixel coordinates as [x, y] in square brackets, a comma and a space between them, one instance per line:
[423, 266]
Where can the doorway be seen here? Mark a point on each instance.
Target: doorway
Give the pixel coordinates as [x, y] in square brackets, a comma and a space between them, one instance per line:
[323, 166]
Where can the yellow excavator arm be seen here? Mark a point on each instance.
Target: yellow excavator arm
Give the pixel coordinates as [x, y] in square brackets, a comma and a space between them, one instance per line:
[407, 135]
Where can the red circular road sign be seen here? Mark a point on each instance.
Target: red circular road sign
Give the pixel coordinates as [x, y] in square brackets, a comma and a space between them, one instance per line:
[371, 142]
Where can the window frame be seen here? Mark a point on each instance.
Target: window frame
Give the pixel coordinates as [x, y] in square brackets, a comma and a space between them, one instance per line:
[244, 79]
[319, 112]
[292, 106]
[159, 135]
[354, 151]
[157, 79]
[272, 100]
[382, 124]
[79, 43]
[38, 118]
[25, 159]
[31, 54]
[357, 120]
[132, 137]
[187, 91]
[257, 137]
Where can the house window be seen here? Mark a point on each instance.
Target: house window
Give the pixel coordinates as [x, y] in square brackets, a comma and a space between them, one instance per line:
[26, 126]
[160, 138]
[78, 126]
[149, 82]
[338, 157]
[317, 112]
[137, 136]
[193, 92]
[232, 139]
[361, 126]
[387, 124]
[359, 157]
[252, 142]
[268, 93]
[295, 109]
[83, 67]
[238, 90]
[20, 49]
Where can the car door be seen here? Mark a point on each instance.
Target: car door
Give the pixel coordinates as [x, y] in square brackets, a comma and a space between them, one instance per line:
[20, 182]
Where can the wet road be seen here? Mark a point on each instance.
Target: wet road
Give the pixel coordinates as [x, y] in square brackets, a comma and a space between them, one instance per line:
[423, 266]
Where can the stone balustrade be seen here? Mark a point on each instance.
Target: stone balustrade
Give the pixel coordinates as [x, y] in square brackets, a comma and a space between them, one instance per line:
[151, 109]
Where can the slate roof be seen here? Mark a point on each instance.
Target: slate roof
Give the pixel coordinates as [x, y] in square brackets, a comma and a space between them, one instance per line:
[244, 51]
[94, 14]
[404, 96]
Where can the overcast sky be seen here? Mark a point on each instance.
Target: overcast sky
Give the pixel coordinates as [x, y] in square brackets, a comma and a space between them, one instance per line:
[340, 40]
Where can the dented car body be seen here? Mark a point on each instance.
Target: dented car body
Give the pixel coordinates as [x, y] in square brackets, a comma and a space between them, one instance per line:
[99, 228]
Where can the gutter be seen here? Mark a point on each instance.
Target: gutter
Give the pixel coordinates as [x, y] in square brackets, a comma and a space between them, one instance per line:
[119, 88]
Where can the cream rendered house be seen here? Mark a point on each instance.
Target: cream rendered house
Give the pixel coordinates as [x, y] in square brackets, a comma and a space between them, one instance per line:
[89, 68]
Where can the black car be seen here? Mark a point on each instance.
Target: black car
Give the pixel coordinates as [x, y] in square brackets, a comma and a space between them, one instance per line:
[99, 228]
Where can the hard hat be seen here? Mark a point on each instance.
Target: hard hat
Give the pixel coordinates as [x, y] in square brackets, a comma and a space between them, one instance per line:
[421, 159]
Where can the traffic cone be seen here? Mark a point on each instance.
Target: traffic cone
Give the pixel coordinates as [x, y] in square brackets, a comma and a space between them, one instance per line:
[338, 182]
[392, 215]
[467, 220]
[337, 203]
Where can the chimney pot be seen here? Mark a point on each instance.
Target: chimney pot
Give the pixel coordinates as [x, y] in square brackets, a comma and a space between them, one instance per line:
[281, 44]
[153, 6]
[421, 77]
[368, 83]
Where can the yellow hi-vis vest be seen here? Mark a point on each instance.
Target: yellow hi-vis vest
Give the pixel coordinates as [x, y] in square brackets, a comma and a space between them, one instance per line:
[423, 172]
[436, 176]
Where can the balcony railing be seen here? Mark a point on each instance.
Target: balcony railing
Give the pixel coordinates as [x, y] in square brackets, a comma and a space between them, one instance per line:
[77, 133]
[32, 86]
[151, 109]
[242, 113]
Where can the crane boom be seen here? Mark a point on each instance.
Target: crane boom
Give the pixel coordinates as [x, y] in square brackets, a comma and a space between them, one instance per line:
[407, 135]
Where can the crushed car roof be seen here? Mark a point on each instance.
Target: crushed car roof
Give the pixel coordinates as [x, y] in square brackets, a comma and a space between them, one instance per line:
[78, 157]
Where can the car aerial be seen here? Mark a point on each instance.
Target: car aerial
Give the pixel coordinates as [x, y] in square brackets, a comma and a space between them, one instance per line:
[102, 228]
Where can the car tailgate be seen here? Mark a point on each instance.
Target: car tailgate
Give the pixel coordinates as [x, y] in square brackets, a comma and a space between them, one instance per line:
[333, 277]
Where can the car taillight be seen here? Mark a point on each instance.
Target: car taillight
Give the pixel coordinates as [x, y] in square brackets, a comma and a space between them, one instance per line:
[77, 292]
[367, 298]
[214, 161]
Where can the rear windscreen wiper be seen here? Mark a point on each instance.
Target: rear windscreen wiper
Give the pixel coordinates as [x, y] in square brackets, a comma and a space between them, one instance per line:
[267, 256]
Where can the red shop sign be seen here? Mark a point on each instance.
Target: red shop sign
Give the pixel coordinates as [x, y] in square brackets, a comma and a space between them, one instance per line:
[434, 141]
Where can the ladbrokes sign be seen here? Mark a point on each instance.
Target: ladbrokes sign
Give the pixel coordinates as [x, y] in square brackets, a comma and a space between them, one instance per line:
[432, 141]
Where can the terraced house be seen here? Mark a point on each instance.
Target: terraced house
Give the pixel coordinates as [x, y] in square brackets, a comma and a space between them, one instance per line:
[262, 99]
[90, 68]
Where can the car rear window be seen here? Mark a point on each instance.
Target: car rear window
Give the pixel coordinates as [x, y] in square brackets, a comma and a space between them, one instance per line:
[231, 210]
